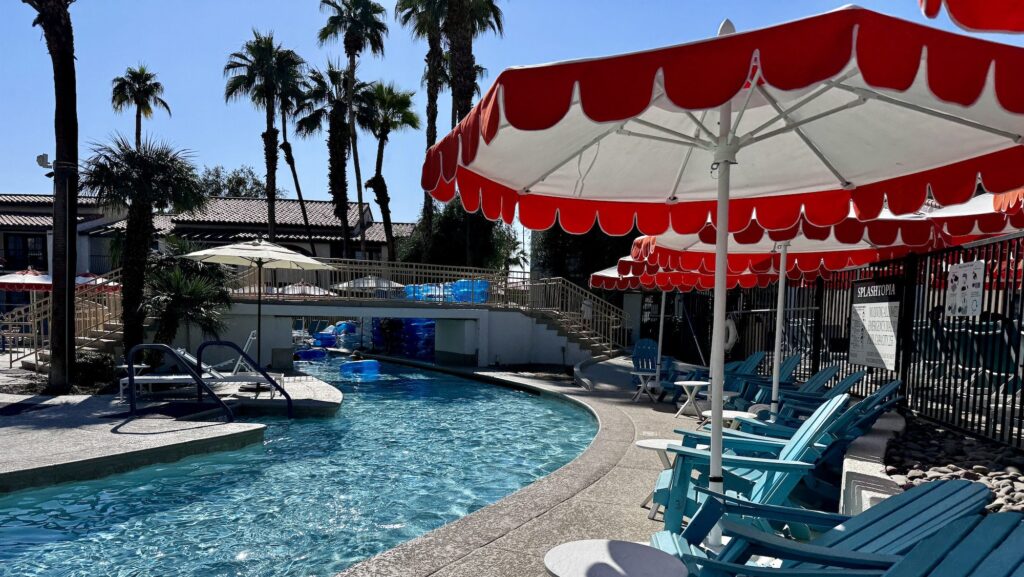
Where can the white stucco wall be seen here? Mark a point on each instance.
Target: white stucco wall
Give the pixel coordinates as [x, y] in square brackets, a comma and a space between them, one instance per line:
[500, 337]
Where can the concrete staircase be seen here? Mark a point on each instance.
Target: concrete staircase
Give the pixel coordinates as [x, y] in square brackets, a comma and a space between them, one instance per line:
[575, 332]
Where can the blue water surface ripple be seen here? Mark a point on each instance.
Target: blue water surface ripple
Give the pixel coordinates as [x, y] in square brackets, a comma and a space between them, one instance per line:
[406, 454]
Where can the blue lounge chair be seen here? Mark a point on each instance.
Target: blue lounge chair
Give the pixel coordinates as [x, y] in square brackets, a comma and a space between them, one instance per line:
[768, 478]
[867, 544]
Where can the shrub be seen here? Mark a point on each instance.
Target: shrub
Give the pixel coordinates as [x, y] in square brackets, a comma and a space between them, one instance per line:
[94, 371]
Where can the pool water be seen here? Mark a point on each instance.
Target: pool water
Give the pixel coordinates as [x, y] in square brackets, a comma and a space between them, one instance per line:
[406, 454]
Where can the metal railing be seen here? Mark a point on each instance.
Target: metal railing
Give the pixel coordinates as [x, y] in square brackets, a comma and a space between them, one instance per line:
[582, 315]
[190, 369]
[26, 330]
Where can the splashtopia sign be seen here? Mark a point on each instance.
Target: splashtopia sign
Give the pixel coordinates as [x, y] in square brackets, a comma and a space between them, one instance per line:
[874, 322]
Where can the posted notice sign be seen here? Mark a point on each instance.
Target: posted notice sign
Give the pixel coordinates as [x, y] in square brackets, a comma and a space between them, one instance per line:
[874, 322]
[965, 284]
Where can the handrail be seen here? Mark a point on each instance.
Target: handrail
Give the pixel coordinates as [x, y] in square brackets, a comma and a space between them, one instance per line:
[200, 383]
[242, 355]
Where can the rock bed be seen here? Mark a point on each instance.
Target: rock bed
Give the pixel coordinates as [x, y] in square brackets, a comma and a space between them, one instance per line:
[930, 452]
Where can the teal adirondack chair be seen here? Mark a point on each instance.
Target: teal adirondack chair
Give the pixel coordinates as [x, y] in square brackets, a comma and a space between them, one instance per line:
[867, 544]
[736, 375]
[865, 413]
[795, 405]
[989, 546]
[768, 478]
[756, 389]
[645, 356]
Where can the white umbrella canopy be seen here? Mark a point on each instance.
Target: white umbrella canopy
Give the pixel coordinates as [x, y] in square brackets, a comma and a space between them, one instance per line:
[849, 110]
[260, 254]
[369, 282]
[303, 289]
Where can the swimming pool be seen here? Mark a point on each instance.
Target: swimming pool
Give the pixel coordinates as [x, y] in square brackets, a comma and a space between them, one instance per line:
[405, 454]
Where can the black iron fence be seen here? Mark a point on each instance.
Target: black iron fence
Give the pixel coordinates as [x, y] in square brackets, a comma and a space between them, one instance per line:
[959, 367]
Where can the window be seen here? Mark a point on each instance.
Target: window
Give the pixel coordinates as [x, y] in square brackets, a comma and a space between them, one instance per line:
[24, 250]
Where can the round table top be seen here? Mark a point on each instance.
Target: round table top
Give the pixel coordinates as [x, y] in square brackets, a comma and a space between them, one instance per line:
[692, 383]
[603, 558]
[729, 414]
[657, 444]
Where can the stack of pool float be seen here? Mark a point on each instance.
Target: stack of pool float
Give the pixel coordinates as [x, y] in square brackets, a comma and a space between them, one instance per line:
[460, 291]
[418, 339]
[411, 338]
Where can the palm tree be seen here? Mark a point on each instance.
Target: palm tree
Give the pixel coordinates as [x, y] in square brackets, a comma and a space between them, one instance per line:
[392, 111]
[465, 20]
[55, 20]
[446, 80]
[424, 18]
[361, 25]
[185, 292]
[141, 179]
[291, 101]
[325, 108]
[258, 71]
[139, 88]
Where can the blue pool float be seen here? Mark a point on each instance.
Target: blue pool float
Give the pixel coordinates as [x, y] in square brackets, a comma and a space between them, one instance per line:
[367, 369]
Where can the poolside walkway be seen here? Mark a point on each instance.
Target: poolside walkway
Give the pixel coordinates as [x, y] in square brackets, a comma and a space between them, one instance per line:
[597, 495]
[48, 440]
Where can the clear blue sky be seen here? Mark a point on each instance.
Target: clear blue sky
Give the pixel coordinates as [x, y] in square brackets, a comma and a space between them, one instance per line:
[187, 42]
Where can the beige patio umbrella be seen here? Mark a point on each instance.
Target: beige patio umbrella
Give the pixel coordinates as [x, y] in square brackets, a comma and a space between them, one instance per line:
[260, 254]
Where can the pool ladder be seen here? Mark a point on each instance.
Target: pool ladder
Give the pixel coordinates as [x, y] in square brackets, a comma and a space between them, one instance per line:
[201, 385]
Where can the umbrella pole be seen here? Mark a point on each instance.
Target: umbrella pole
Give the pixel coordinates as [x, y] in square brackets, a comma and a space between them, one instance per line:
[725, 156]
[259, 315]
[780, 313]
[661, 334]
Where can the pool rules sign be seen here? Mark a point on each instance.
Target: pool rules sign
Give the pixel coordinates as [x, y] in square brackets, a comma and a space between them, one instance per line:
[874, 322]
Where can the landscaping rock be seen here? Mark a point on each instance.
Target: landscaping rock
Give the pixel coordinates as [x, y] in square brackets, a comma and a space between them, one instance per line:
[928, 452]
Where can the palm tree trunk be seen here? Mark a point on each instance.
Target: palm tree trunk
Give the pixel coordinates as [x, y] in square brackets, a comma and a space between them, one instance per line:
[60, 42]
[138, 239]
[459, 30]
[380, 189]
[290, 159]
[337, 160]
[355, 148]
[270, 155]
[138, 128]
[435, 60]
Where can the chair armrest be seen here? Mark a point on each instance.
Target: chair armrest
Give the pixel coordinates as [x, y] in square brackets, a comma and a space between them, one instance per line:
[786, 549]
[704, 457]
[725, 568]
[736, 505]
[754, 443]
[758, 426]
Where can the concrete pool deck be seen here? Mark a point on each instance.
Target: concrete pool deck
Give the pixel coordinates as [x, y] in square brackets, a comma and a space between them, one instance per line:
[597, 495]
[80, 437]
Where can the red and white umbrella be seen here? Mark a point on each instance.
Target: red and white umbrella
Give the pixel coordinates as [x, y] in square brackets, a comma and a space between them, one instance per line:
[33, 280]
[846, 112]
[29, 279]
[980, 15]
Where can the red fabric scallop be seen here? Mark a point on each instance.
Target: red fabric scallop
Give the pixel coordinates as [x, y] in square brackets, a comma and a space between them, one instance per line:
[791, 56]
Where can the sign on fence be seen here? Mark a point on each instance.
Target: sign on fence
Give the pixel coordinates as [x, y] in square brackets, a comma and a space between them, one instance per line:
[874, 321]
[964, 285]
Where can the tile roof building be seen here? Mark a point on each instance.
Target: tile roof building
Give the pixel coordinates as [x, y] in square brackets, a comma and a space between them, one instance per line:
[26, 222]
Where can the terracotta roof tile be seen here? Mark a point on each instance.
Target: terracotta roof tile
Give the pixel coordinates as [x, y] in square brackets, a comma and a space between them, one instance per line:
[254, 211]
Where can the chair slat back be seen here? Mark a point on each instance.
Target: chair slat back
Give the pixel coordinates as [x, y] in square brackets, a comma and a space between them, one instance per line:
[645, 355]
[773, 488]
[991, 546]
[896, 524]
[816, 383]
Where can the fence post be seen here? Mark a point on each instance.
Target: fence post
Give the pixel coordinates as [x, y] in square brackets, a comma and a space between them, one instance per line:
[905, 330]
[819, 315]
